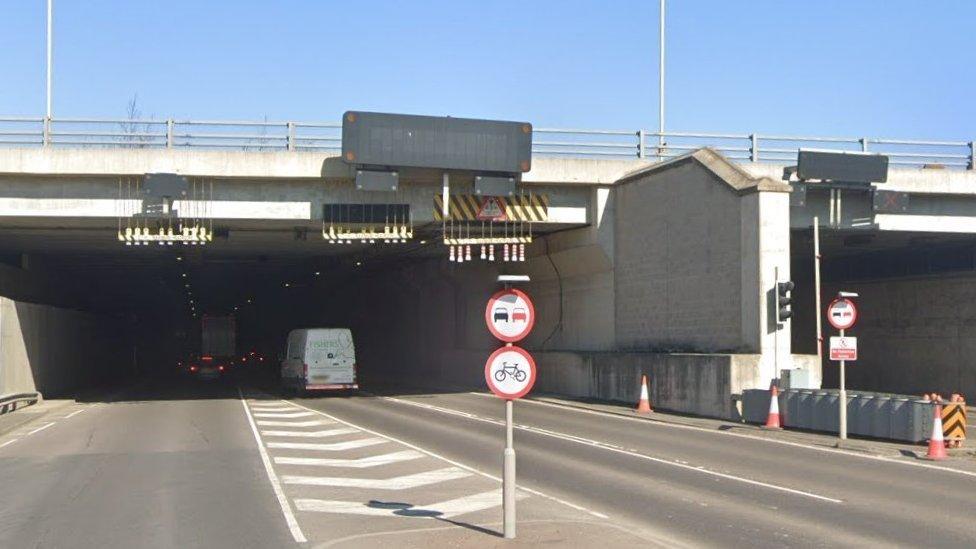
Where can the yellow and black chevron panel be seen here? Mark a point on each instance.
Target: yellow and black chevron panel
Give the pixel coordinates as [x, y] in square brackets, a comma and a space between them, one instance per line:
[954, 421]
[465, 207]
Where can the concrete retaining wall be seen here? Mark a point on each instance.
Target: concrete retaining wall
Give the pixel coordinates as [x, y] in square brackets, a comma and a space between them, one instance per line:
[55, 351]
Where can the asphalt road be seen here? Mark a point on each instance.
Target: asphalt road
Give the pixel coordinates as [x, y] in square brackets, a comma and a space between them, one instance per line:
[203, 465]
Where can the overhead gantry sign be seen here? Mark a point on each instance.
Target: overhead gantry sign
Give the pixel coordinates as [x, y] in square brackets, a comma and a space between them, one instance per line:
[494, 153]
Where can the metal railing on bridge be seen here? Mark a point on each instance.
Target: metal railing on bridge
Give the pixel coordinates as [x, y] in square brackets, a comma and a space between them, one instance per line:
[327, 136]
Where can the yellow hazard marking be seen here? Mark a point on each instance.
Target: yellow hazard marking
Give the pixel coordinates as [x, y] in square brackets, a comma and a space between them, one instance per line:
[466, 207]
[954, 421]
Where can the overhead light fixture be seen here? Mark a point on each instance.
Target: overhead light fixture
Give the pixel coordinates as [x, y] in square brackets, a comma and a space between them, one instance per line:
[179, 258]
[184, 275]
[317, 273]
[359, 263]
[287, 284]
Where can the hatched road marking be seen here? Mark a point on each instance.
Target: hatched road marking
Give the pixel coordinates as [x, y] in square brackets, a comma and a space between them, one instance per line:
[444, 509]
[371, 461]
[328, 447]
[282, 415]
[310, 434]
[310, 423]
[396, 483]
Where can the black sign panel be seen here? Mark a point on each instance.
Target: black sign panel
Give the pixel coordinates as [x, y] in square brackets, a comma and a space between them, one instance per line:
[395, 140]
[366, 213]
[842, 166]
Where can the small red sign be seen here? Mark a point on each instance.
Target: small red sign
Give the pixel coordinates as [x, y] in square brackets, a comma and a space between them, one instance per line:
[843, 348]
[492, 209]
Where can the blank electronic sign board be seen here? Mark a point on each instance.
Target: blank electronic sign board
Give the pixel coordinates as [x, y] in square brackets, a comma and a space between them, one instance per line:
[380, 139]
[842, 166]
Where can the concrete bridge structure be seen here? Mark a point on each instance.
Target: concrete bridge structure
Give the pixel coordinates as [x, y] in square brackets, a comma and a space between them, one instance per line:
[664, 267]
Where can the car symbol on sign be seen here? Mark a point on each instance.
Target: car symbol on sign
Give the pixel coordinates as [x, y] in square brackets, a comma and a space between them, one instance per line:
[500, 314]
[519, 314]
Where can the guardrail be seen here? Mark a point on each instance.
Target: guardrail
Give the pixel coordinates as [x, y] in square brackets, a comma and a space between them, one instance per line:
[9, 403]
[327, 137]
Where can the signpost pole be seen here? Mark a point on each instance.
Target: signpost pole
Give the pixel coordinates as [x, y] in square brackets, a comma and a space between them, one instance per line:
[510, 373]
[508, 476]
[843, 399]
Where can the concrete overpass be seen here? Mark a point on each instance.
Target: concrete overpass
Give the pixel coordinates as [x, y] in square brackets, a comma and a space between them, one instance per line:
[643, 265]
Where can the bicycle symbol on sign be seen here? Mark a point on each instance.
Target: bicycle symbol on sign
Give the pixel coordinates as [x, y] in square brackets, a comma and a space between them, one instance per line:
[510, 370]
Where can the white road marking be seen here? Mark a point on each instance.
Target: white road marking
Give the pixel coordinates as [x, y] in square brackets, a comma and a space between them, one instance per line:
[616, 449]
[290, 519]
[9, 442]
[444, 509]
[310, 423]
[39, 429]
[452, 462]
[747, 436]
[73, 414]
[311, 434]
[403, 482]
[330, 447]
[282, 415]
[276, 407]
[371, 461]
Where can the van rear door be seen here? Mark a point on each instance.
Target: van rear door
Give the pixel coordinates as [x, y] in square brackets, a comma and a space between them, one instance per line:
[331, 358]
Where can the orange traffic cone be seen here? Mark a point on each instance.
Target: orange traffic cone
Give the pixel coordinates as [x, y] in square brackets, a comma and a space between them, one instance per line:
[772, 420]
[937, 449]
[644, 404]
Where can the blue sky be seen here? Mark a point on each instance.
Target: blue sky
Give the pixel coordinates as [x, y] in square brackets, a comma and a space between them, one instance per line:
[889, 68]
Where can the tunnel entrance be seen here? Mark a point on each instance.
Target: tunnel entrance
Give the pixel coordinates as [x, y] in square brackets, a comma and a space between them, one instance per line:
[917, 325]
[138, 309]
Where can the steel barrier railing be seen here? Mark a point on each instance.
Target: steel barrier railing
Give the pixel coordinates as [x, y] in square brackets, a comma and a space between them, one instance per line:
[252, 135]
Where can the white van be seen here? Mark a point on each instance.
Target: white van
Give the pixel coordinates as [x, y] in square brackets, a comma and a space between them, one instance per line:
[319, 359]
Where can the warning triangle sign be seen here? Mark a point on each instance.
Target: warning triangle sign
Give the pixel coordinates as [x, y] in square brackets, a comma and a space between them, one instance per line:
[492, 210]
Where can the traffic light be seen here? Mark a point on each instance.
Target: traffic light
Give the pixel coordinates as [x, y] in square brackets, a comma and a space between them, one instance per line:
[784, 300]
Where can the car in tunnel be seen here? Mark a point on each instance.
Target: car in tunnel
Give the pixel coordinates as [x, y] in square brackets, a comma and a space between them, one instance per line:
[319, 359]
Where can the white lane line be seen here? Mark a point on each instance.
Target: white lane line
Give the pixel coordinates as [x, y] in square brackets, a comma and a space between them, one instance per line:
[444, 509]
[360, 463]
[39, 429]
[452, 462]
[310, 423]
[403, 482]
[282, 415]
[73, 414]
[311, 434]
[263, 407]
[290, 519]
[331, 447]
[616, 449]
[746, 436]
[9, 442]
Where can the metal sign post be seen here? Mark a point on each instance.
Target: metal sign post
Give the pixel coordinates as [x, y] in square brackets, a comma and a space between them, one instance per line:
[510, 373]
[508, 475]
[842, 314]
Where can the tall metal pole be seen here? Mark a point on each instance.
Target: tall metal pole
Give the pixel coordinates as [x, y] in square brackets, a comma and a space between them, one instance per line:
[843, 399]
[50, 16]
[816, 286]
[661, 83]
[508, 475]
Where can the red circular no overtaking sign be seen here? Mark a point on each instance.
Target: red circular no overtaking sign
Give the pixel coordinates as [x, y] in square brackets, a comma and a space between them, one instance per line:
[510, 315]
